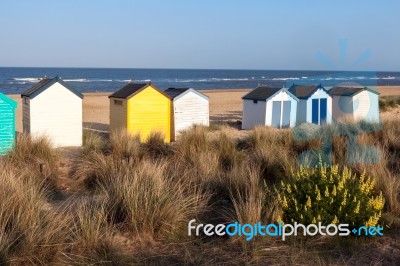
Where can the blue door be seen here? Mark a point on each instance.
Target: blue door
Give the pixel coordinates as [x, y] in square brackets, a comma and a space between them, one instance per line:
[315, 111]
[276, 114]
[322, 111]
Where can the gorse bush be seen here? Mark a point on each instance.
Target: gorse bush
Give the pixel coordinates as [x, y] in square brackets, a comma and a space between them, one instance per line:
[330, 196]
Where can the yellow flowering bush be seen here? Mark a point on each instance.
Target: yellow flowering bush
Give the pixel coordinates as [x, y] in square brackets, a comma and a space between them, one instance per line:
[328, 195]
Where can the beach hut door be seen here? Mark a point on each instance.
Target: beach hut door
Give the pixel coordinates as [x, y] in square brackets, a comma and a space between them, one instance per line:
[319, 111]
[286, 114]
[281, 114]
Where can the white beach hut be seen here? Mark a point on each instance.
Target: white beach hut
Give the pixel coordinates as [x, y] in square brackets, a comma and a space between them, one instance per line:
[189, 107]
[315, 104]
[54, 109]
[355, 103]
[269, 106]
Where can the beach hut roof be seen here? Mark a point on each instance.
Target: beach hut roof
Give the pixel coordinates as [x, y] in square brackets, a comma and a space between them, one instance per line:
[305, 91]
[8, 100]
[45, 84]
[264, 93]
[132, 89]
[175, 92]
[349, 91]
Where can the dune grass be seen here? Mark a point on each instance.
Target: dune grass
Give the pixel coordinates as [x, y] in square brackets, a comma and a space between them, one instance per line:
[388, 102]
[30, 231]
[36, 160]
[137, 193]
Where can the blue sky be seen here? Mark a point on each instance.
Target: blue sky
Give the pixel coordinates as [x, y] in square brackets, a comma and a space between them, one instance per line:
[228, 34]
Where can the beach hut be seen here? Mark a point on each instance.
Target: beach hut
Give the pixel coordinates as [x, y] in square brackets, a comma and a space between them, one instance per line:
[315, 104]
[7, 123]
[141, 109]
[269, 106]
[190, 107]
[53, 109]
[355, 103]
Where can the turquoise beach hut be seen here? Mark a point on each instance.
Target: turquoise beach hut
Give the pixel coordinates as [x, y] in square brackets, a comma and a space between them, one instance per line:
[7, 123]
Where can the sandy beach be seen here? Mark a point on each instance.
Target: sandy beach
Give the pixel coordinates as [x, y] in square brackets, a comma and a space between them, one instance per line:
[225, 106]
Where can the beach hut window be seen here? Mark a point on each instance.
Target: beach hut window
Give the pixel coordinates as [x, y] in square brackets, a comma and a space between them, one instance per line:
[255, 101]
[117, 102]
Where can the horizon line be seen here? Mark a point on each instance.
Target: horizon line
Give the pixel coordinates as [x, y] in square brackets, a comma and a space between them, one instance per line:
[174, 68]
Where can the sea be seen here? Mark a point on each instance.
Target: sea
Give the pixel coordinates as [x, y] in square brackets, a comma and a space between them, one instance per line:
[15, 80]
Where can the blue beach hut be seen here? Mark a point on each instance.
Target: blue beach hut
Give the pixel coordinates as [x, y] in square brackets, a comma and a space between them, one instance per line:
[7, 123]
[315, 104]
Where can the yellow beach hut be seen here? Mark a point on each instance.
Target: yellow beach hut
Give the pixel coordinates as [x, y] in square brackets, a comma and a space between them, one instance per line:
[141, 109]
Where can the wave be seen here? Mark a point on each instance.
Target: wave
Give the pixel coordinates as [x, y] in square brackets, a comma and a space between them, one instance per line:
[237, 79]
[211, 80]
[101, 80]
[132, 80]
[285, 79]
[105, 80]
[26, 79]
[17, 83]
[389, 77]
[76, 80]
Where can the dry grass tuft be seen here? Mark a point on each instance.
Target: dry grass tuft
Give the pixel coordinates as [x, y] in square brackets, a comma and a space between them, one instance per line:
[154, 147]
[93, 141]
[36, 159]
[149, 204]
[30, 231]
[124, 145]
[270, 150]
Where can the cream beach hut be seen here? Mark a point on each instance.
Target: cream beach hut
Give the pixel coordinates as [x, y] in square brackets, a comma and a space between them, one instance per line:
[189, 107]
[315, 104]
[269, 106]
[355, 103]
[54, 109]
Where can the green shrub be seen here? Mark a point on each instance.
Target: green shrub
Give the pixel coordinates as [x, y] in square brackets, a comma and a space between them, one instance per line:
[330, 196]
